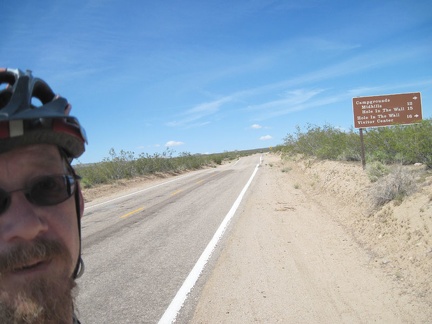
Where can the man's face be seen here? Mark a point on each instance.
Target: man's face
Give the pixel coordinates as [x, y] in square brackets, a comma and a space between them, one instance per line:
[39, 245]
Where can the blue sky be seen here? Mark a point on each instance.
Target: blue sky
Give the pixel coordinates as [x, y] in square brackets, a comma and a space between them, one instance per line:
[212, 76]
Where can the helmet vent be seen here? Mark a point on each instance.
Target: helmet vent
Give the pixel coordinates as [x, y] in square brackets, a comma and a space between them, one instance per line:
[5, 96]
[42, 91]
[6, 83]
[36, 102]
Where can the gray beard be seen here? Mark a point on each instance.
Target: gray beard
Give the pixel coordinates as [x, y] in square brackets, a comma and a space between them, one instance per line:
[44, 301]
[47, 300]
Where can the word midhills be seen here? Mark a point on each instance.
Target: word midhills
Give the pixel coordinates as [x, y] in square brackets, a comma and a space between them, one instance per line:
[371, 106]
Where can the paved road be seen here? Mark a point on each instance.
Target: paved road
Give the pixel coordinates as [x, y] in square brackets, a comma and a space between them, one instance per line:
[139, 249]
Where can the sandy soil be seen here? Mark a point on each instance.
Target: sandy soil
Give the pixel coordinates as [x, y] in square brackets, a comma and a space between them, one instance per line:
[308, 248]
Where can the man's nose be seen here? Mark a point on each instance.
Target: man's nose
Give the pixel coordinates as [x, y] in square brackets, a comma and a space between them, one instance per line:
[21, 221]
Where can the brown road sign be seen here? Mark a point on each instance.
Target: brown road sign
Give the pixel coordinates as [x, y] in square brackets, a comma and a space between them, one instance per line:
[385, 110]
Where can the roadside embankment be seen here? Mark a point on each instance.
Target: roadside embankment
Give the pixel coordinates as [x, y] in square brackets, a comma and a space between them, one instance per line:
[308, 248]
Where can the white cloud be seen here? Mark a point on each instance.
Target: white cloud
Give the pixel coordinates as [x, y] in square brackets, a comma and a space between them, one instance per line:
[290, 98]
[173, 143]
[265, 138]
[256, 126]
[193, 117]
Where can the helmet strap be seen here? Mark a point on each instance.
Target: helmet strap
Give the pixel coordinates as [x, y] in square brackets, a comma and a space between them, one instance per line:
[79, 268]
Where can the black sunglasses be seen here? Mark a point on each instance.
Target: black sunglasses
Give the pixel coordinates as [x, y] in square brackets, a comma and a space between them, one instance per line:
[43, 191]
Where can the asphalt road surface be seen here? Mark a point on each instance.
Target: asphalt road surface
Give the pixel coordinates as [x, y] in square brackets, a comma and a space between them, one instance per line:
[140, 248]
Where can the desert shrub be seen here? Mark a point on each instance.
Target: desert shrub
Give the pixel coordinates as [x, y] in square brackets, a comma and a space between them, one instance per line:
[406, 144]
[376, 170]
[395, 186]
[218, 159]
[351, 148]
[326, 142]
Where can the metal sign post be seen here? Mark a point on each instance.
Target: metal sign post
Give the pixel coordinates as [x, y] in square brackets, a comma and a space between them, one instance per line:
[363, 156]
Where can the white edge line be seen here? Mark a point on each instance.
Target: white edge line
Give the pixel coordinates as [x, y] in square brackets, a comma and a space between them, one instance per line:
[176, 304]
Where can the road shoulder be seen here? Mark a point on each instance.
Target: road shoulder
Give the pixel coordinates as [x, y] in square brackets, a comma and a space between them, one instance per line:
[288, 259]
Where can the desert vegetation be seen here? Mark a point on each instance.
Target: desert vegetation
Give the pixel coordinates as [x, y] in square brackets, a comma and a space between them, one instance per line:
[126, 165]
[403, 144]
[387, 149]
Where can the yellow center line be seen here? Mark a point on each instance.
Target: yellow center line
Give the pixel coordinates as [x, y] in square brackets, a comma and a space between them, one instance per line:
[210, 176]
[176, 192]
[199, 181]
[132, 212]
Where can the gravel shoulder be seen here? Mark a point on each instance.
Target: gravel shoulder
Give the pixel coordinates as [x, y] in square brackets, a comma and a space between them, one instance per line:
[301, 251]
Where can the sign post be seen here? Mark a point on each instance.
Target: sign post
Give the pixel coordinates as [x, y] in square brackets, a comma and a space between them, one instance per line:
[386, 110]
[363, 156]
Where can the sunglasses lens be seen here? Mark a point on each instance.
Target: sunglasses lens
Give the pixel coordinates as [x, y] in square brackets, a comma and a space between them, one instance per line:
[4, 201]
[51, 190]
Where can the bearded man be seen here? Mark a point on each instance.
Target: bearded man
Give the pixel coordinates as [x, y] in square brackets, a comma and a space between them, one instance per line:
[40, 202]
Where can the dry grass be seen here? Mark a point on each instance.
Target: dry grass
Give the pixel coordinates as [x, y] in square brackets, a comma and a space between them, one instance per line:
[393, 187]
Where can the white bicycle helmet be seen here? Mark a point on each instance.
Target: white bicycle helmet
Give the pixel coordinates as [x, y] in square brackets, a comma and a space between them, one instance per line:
[23, 121]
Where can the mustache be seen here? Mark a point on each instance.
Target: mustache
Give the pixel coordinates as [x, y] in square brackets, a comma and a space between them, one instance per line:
[24, 253]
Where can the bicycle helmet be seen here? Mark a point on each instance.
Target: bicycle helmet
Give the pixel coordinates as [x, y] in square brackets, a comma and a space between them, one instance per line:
[23, 122]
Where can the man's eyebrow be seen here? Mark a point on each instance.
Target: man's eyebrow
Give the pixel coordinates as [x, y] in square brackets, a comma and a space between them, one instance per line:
[46, 158]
